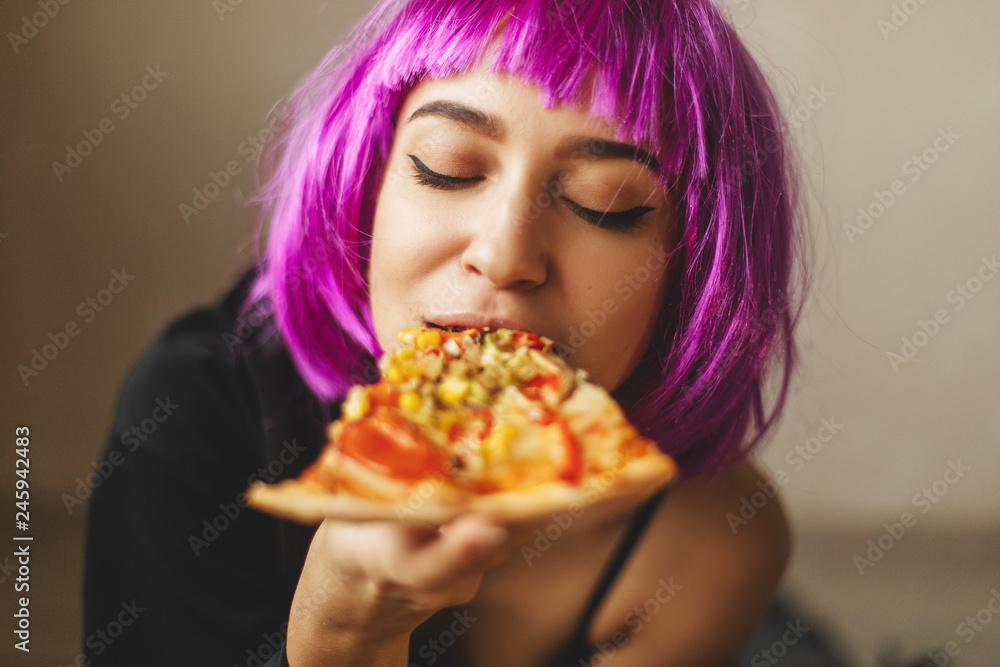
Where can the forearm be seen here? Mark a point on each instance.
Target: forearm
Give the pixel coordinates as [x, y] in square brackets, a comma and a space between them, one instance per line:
[336, 619]
[321, 647]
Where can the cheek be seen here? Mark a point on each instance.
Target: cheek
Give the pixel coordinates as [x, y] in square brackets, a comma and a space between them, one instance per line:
[412, 247]
[397, 247]
[615, 324]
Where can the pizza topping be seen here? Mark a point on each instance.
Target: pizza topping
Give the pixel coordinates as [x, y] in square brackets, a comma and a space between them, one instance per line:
[391, 446]
[428, 338]
[572, 459]
[356, 405]
[464, 389]
[484, 408]
[541, 385]
[452, 389]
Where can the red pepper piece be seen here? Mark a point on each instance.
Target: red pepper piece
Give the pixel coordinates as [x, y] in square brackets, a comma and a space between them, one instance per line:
[393, 447]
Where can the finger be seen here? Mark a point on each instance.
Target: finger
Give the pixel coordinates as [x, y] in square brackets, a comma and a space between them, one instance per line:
[465, 546]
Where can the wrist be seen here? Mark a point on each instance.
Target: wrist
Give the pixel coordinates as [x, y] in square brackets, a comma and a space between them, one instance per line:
[309, 647]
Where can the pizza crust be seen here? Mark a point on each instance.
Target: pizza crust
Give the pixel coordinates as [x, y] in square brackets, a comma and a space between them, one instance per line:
[309, 503]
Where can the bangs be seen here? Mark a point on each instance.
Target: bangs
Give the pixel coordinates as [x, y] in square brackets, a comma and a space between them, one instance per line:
[607, 57]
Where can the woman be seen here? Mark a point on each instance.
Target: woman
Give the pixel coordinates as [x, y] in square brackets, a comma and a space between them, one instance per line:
[610, 174]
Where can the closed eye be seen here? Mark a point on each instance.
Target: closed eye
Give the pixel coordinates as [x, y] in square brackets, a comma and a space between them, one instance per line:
[617, 220]
[614, 220]
[426, 176]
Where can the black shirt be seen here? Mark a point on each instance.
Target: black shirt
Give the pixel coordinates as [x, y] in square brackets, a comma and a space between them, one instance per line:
[178, 570]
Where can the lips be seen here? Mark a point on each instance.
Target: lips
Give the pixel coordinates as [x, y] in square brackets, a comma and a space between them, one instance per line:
[462, 321]
[443, 327]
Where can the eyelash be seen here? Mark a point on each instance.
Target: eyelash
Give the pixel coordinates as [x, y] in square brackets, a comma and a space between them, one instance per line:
[614, 220]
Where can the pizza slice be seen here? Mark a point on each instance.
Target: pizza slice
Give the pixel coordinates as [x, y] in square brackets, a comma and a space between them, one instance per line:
[471, 420]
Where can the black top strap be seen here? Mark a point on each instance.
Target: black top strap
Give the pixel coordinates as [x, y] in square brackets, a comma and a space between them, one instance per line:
[634, 530]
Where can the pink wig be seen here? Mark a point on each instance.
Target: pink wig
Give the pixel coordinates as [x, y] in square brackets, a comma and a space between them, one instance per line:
[672, 75]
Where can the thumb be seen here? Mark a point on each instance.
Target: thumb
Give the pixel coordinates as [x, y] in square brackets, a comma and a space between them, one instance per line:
[468, 544]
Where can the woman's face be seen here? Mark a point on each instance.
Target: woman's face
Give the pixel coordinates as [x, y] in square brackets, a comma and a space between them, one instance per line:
[489, 215]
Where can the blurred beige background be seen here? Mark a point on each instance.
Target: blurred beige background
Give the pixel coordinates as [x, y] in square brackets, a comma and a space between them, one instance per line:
[896, 108]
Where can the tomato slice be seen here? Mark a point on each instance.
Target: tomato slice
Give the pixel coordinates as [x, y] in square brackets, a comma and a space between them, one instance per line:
[392, 446]
[383, 394]
[533, 386]
[487, 417]
[528, 339]
[572, 463]
[572, 460]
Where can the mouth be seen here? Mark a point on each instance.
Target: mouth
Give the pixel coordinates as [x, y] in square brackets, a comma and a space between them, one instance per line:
[447, 327]
[454, 322]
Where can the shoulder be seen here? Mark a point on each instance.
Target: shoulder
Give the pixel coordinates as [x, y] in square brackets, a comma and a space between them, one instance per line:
[722, 578]
[185, 381]
[738, 518]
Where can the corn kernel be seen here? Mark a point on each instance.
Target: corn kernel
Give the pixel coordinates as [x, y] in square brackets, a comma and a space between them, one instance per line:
[430, 338]
[406, 335]
[410, 401]
[394, 375]
[506, 433]
[357, 404]
[447, 419]
[452, 390]
[496, 446]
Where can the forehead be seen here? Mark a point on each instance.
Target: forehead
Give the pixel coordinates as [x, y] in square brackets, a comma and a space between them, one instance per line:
[499, 106]
[501, 94]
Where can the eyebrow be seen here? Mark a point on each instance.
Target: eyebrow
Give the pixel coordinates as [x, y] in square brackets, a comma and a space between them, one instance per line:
[492, 127]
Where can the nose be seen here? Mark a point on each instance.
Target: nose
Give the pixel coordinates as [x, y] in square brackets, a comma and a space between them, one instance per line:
[507, 243]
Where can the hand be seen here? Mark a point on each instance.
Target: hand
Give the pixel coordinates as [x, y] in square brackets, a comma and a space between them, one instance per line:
[365, 586]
